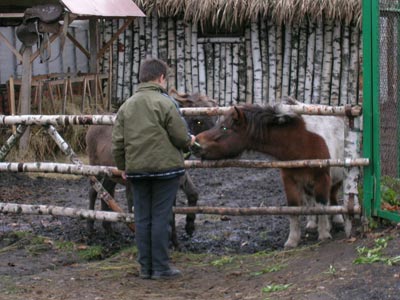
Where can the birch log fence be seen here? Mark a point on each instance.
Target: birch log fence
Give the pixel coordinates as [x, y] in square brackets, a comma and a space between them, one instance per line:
[316, 61]
[349, 207]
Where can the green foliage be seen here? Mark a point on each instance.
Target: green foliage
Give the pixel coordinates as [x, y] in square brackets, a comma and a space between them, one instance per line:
[373, 255]
[222, 261]
[91, 253]
[331, 270]
[390, 190]
[271, 269]
[272, 288]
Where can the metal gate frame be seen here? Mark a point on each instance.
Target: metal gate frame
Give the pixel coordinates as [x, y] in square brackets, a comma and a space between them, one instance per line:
[371, 112]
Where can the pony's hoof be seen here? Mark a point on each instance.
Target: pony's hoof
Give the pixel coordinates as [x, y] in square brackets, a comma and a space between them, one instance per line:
[338, 220]
[290, 245]
[311, 225]
[324, 236]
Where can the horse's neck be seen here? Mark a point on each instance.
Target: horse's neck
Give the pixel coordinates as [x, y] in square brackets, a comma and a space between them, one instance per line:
[285, 145]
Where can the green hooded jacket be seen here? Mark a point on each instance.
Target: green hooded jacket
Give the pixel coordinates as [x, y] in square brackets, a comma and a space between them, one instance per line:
[149, 134]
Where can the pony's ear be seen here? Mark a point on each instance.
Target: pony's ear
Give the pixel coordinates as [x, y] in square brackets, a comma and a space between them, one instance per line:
[237, 115]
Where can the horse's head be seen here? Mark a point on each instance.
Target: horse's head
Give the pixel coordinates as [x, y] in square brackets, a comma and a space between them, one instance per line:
[196, 124]
[227, 139]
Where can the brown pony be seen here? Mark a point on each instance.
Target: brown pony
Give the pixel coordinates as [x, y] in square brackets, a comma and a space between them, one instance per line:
[283, 135]
[98, 148]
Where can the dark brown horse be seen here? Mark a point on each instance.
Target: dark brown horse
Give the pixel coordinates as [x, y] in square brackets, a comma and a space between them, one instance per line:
[98, 142]
[285, 136]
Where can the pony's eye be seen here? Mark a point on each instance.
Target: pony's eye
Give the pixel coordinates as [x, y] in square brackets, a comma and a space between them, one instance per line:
[224, 128]
[198, 122]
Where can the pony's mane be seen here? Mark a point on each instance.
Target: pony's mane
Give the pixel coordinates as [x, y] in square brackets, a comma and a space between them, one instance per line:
[192, 100]
[259, 119]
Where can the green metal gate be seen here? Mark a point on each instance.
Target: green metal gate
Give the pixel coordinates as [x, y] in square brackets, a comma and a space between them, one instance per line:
[381, 107]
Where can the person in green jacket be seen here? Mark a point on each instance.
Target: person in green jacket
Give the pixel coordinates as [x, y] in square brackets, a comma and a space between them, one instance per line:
[148, 140]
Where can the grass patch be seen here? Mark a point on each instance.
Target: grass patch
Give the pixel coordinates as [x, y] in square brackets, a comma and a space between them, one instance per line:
[375, 254]
[272, 288]
[222, 261]
[91, 253]
[271, 269]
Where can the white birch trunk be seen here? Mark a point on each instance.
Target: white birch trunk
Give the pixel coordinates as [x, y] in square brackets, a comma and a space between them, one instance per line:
[264, 59]
[222, 75]
[335, 90]
[188, 57]
[128, 50]
[154, 34]
[360, 72]
[242, 72]
[294, 63]
[120, 68]
[272, 63]
[172, 54]
[202, 69]
[302, 61]
[279, 61]
[11, 141]
[286, 61]
[257, 64]
[180, 56]
[195, 60]
[319, 51]
[308, 86]
[163, 39]
[235, 74]
[354, 68]
[209, 60]
[136, 54]
[327, 64]
[228, 81]
[216, 66]
[249, 67]
[148, 37]
[345, 65]
[142, 39]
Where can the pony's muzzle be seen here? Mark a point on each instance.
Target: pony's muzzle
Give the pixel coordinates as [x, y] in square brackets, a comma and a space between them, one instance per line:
[195, 148]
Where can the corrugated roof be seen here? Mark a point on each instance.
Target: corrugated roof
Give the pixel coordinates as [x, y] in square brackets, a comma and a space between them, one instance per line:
[103, 8]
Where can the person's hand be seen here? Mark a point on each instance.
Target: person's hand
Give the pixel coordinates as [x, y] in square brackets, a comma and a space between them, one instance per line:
[193, 140]
[123, 175]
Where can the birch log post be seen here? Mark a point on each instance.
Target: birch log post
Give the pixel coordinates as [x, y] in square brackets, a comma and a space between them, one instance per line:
[102, 192]
[279, 61]
[301, 73]
[308, 85]
[136, 54]
[180, 56]
[286, 61]
[360, 72]
[242, 80]
[216, 67]
[327, 64]
[128, 50]
[148, 36]
[228, 75]
[11, 141]
[142, 39]
[294, 62]
[319, 52]
[353, 69]
[202, 69]
[194, 60]
[235, 75]
[264, 59]
[257, 64]
[120, 68]
[209, 61]
[188, 56]
[249, 67]
[163, 39]
[154, 34]
[172, 53]
[336, 62]
[272, 67]
[345, 64]
[222, 75]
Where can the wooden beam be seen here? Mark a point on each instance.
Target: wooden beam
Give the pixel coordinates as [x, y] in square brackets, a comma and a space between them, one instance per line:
[114, 37]
[11, 47]
[78, 45]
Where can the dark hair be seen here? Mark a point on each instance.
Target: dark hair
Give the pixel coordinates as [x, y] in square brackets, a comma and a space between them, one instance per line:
[151, 69]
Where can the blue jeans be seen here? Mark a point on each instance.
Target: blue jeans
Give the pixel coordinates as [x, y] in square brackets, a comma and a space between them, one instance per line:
[153, 199]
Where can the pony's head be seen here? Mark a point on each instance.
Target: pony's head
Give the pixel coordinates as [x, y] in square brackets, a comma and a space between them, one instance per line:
[242, 128]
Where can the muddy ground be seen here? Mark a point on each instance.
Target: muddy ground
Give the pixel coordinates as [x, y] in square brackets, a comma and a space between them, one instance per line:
[45, 257]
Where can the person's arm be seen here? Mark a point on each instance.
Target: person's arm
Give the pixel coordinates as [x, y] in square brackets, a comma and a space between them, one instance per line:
[118, 142]
[177, 130]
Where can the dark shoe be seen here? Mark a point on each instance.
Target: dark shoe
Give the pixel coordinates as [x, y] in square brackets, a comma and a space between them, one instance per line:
[145, 274]
[169, 274]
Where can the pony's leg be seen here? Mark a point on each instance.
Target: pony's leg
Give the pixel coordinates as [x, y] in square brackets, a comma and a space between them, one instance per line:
[294, 234]
[192, 195]
[337, 219]
[92, 202]
[324, 227]
[311, 225]
[294, 198]
[322, 197]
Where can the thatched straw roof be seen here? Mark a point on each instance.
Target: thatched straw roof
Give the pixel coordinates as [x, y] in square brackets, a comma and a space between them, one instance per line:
[237, 12]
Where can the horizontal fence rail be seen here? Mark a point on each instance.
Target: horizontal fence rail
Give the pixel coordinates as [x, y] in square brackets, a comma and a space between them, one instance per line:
[128, 218]
[110, 119]
[88, 170]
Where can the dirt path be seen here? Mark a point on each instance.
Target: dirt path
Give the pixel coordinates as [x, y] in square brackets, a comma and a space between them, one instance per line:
[42, 257]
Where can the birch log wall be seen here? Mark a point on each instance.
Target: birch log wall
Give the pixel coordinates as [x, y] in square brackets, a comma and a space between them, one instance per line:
[316, 62]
